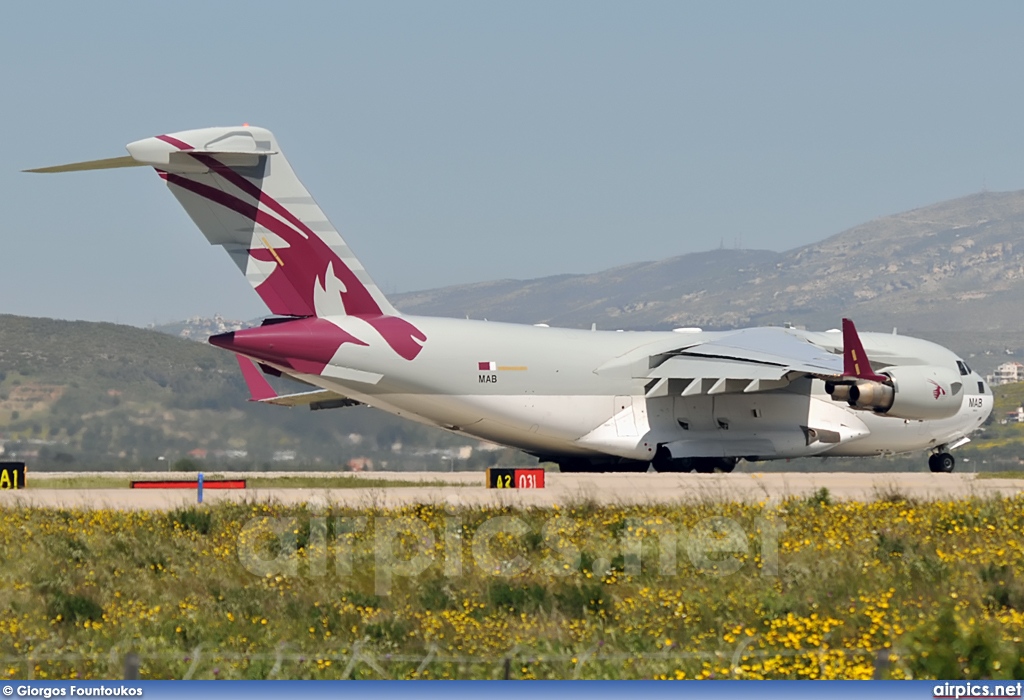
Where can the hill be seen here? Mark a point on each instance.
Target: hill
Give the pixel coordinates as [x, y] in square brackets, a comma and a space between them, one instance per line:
[639, 295]
[75, 393]
[951, 272]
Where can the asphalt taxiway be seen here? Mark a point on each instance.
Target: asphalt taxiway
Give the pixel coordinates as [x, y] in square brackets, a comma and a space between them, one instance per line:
[467, 488]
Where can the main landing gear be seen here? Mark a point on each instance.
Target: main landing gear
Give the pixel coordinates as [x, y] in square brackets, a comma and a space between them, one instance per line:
[586, 466]
[941, 463]
[663, 462]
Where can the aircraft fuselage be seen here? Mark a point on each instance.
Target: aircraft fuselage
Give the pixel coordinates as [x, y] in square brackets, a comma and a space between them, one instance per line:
[563, 392]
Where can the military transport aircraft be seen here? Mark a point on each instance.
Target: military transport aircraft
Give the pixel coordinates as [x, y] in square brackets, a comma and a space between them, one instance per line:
[588, 400]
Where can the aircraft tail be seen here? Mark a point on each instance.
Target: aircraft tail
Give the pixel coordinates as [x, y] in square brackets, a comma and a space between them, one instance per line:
[243, 195]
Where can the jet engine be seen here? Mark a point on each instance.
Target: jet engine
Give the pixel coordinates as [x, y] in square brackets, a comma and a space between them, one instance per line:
[913, 392]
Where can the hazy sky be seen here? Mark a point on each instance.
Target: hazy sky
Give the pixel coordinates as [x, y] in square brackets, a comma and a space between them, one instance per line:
[458, 142]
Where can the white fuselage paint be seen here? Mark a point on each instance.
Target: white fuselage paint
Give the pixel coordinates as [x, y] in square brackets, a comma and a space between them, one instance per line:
[572, 392]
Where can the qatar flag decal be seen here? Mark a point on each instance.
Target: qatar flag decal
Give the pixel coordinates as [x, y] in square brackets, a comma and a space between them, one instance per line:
[487, 366]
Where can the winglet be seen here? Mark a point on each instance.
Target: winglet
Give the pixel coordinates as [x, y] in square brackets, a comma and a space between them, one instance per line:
[258, 385]
[855, 360]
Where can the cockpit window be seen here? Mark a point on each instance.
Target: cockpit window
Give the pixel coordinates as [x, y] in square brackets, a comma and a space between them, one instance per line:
[981, 387]
[964, 369]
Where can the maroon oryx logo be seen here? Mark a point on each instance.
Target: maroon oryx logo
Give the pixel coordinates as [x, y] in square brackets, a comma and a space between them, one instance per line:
[938, 390]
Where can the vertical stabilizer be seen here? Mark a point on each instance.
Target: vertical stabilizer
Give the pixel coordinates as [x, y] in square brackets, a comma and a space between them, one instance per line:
[243, 195]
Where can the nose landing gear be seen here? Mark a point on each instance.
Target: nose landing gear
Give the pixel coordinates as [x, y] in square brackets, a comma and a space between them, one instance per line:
[941, 462]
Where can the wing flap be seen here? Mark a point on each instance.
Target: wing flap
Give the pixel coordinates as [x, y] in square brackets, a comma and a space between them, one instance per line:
[690, 367]
[747, 361]
[685, 375]
[771, 346]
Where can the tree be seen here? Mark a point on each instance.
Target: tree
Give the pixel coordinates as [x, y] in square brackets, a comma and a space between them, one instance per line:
[185, 465]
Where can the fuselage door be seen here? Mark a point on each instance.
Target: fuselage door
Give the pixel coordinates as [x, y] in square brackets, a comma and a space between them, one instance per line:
[625, 421]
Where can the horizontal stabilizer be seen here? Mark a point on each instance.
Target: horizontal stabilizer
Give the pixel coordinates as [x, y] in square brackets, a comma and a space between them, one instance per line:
[104, 164]
[259, 387]
[316, 400]
[262, 392]
[133, 162]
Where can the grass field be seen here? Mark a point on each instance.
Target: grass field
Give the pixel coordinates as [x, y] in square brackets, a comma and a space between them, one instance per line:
[806, 589]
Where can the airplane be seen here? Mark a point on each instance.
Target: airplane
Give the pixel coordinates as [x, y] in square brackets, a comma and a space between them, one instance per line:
[589, 400]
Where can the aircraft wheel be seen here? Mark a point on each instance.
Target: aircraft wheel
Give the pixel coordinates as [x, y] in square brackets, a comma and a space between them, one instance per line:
[727, 465]
[704, 465]
[676, 466]
[574, 466]
[662, 461]
[942, 463]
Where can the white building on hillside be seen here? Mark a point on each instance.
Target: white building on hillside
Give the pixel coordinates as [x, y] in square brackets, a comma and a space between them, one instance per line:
[1006, 373]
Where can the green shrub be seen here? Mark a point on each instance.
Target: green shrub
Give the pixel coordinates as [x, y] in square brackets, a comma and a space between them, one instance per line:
[72, 607]
[821, 497]
[194, 519]
[516, 599]
[185, 465]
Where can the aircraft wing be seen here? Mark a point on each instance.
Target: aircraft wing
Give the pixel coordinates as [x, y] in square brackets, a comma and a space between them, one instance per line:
[750, 360]
[771, 346]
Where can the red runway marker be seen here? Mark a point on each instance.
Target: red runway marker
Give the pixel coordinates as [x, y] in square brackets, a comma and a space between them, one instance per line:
[176, 484]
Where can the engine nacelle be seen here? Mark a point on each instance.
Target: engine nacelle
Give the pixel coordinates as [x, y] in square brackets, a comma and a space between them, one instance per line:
[925, 392]
[913, 392]
[871, 396]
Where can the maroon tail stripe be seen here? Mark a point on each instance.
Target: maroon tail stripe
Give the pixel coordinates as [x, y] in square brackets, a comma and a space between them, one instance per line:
[251, 189]
[177, 143]
[299, 278]
[356, 298]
